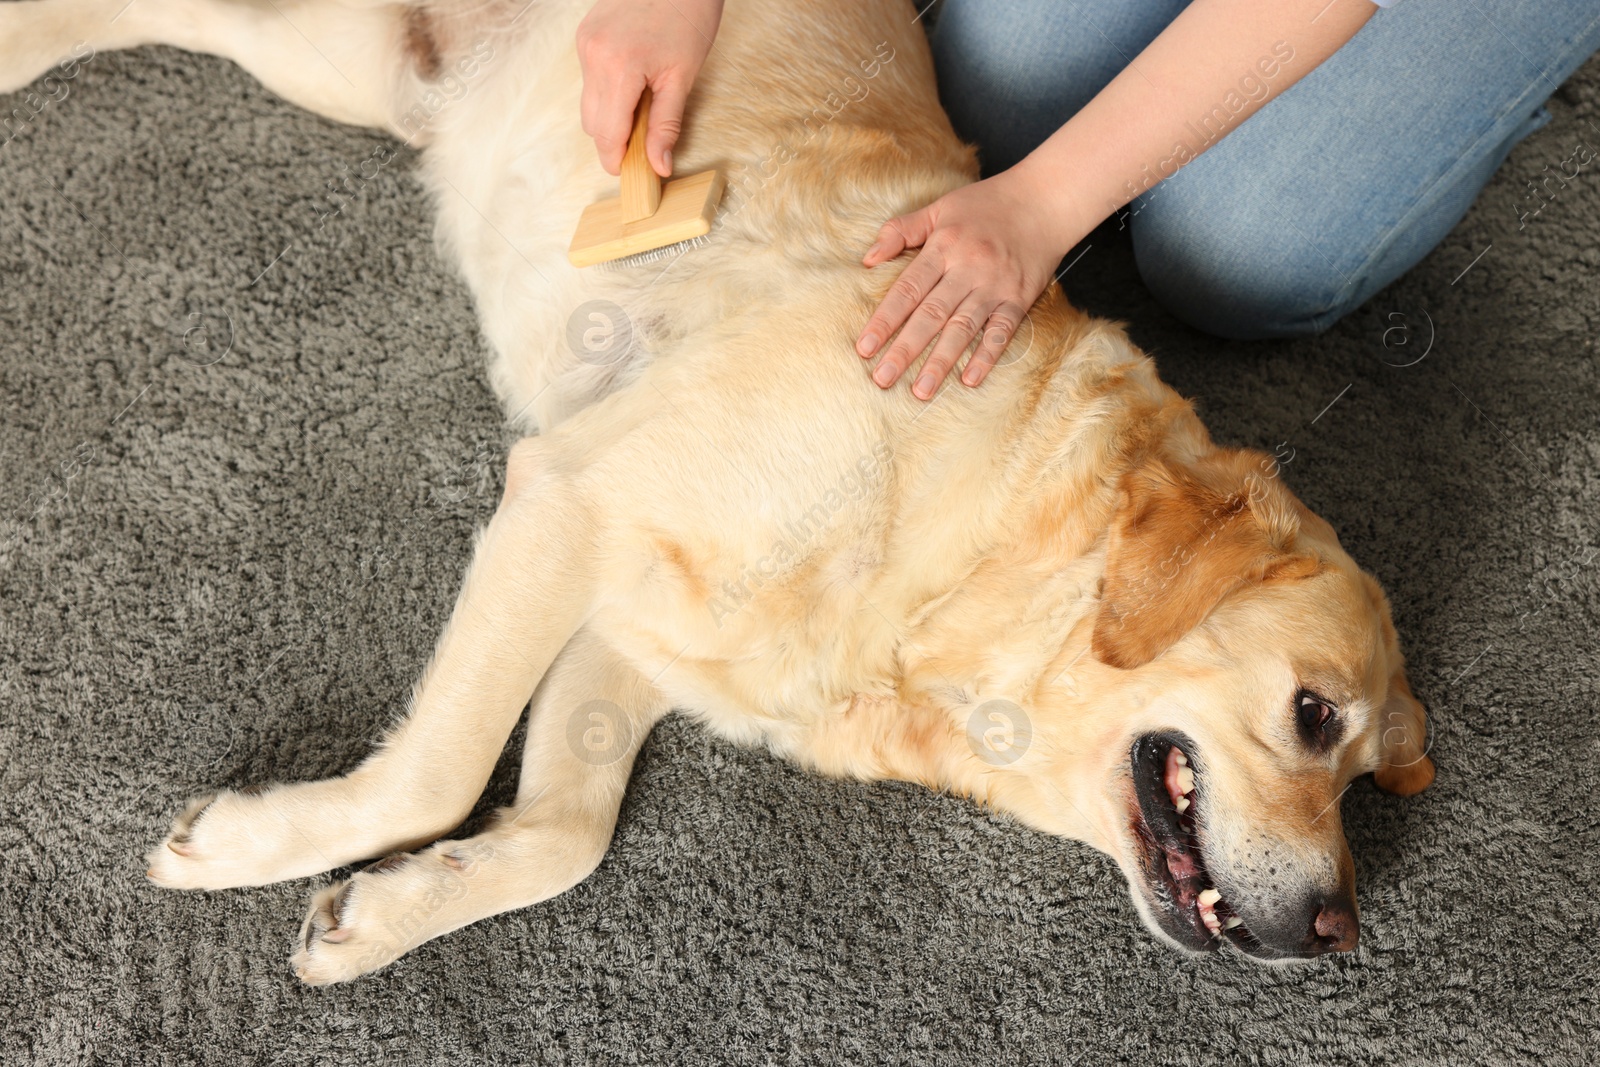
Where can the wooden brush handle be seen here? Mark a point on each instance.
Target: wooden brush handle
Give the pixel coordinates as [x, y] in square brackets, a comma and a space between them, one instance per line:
[641, 185]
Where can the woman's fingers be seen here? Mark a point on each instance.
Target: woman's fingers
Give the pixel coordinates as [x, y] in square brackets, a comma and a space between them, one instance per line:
[954, 337]
[605, 107]
[998, 331]
[926, 319]
[897, 235]
[669, 96]
[607, 110]
[915, 282]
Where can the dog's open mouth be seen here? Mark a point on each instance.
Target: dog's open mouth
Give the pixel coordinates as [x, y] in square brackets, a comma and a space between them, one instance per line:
[1166, 827]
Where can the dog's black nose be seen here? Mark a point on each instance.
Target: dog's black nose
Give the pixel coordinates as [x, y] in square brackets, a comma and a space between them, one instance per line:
[1334, 928]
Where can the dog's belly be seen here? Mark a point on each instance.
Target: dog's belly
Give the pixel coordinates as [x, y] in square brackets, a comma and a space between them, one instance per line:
[746, 573]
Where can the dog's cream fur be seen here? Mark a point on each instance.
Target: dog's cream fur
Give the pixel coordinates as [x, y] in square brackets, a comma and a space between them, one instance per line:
[995, 593]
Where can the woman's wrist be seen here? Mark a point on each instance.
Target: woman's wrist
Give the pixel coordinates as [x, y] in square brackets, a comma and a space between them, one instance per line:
[1046, 194]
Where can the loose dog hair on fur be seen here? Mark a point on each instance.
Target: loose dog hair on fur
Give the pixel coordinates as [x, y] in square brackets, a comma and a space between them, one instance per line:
[1054, 594]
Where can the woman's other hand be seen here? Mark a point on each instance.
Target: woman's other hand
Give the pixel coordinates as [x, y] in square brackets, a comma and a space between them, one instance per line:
[987, 252]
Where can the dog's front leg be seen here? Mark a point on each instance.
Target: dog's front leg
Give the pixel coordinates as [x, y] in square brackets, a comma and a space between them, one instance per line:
[589, 717]
[528, 590]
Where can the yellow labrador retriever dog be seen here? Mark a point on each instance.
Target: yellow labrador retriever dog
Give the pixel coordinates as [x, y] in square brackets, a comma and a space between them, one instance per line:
[1053, 594]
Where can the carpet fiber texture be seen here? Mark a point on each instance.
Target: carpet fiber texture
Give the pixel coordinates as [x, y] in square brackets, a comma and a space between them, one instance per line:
[246, 444]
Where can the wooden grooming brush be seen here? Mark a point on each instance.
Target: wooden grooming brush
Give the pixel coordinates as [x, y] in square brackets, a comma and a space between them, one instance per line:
[641, 224]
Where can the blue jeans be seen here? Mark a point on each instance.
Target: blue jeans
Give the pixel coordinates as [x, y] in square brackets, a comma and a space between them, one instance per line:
[1332, 190]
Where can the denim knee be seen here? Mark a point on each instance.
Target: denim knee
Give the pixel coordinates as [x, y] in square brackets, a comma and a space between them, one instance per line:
[1278, 264]
[1240, 277]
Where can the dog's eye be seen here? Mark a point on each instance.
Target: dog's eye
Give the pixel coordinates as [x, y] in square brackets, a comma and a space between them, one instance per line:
[1313, 712]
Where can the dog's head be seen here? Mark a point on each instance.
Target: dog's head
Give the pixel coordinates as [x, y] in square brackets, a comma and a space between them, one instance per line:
[1245, 671]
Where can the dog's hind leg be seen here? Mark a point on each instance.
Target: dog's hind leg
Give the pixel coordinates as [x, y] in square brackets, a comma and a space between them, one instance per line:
[590, 716]
[528, 590]
[339, 61]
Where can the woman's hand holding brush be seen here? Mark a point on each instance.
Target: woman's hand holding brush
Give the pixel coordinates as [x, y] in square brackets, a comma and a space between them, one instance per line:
[626, 46]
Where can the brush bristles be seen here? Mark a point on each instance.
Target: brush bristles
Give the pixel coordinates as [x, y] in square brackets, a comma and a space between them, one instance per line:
[655, 255]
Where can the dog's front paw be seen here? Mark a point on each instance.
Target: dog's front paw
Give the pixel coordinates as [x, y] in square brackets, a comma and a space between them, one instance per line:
[343, 938]
[380, 914]
[173, 863]
[329, 949]
[225, 840]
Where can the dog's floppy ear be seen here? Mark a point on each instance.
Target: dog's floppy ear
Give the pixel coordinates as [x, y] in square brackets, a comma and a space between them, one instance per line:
[1184, 538]
[1405, 769]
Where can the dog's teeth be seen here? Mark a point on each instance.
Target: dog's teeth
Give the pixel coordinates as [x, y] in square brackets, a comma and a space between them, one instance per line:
[1231, 923]
[1181, 758]
[1182, 804]
[1185, 780]
[1209, 897]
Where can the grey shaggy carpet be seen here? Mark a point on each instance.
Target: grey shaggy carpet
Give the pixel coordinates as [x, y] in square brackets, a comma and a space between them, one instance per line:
[239, 487]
